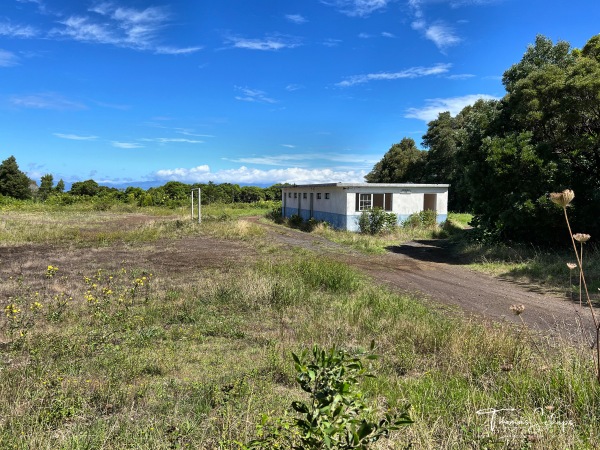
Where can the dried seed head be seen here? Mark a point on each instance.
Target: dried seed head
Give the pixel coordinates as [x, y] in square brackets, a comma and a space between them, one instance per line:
[581, 237]
[571, 265]
[517, 309]
[562, 198]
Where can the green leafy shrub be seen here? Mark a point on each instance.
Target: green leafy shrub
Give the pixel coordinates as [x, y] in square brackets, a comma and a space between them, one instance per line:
[336, 415]
[376, 221]
[275, 215]
[295, 221]
[422, 219]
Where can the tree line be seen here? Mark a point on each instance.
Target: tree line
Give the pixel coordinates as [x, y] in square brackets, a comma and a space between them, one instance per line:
[503, 157]
[15, 184]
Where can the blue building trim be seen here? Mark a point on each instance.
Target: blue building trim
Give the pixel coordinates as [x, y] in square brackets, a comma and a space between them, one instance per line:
[341, 221]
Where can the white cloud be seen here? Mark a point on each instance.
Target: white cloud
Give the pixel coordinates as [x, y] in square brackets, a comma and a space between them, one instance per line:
[172, 140]
[388, 35]
[177, 51]
[332, 42]
[435, 106]
[46, 101]
[126, 145]
[413, 72]
[253, 95]
[8, 59]
[357, 8]
[442, 36]
[296, 18]
[293, 87]
[302, 159]
[460, 76]
[75, 137]
[269, 43]
[17, 31]
[364, 35]
[123, 27]
[246, 175]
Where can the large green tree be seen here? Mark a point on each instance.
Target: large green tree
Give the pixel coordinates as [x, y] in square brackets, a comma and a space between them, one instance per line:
[46, 186]
[545, 138]
[502, 158]
[87, 188]
[402, 163]
[13, 182]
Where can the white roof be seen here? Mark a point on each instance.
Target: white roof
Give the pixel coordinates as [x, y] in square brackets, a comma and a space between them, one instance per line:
[372, 185]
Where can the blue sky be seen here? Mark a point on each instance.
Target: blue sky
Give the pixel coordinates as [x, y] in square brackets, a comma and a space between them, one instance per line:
[250, 92]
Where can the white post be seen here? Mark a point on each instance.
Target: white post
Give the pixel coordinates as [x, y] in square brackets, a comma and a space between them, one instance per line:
[199, 205]
[192, 204]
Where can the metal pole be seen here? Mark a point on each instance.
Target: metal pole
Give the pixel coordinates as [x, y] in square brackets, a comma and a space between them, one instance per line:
[192, 204]
[199, 205]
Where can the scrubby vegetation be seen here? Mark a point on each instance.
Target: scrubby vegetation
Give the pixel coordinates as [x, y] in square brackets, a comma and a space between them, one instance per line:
[119, 355]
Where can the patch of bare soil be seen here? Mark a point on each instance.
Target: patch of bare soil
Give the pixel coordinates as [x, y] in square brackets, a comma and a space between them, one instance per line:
[425, 268]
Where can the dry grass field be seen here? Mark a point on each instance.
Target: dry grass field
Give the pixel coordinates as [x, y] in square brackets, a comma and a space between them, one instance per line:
[144, 330]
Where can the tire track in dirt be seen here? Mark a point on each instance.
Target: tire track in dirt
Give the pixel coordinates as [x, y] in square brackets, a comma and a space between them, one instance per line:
[426, 268]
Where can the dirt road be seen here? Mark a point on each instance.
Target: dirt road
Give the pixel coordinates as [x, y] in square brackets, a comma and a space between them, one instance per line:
[427, 268]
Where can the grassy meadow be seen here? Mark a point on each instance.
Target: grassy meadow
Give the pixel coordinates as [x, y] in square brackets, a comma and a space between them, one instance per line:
[120, 352]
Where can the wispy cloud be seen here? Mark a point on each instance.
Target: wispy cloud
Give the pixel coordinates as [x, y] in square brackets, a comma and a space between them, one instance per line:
[172, 140]
[107, 23]
[293, 87]
[247, 175]
[126, 145]
[75, 137]
[177, 51]
[253, 95]
[434, 106]
[8, 59]
[440, 33]
[296, 18]
[269, 43]
[460, 76]
[413, 72]
[17, 31]
[357, 8]
[332, 42]
[306, 159]
[442, 36]
[387, 34]
[46, 101]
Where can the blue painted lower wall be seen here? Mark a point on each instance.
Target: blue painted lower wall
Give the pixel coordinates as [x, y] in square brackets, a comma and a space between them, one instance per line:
[341, 221]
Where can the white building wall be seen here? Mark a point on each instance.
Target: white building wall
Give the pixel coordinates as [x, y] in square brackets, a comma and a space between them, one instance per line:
[340, 208]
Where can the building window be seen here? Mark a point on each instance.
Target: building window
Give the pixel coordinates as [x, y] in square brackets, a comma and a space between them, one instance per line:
[304, 195]
[369, 201]
[318, 196]
[289, 195]
[295, 195]
[326, 195]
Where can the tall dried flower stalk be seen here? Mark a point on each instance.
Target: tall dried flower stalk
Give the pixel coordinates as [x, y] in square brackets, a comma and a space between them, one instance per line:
[563, 199]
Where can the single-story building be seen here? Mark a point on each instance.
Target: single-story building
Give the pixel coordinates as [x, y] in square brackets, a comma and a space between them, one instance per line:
[341, 204]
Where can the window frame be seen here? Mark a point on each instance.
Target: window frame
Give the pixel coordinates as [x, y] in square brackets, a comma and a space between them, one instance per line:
[367, 200]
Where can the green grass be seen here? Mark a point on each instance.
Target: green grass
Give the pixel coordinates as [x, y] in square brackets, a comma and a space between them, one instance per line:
[81, 225]
[193, 361]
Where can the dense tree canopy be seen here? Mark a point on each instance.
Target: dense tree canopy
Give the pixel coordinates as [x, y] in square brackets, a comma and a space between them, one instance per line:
[403, 162]
[502, 158]
[13, 182]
